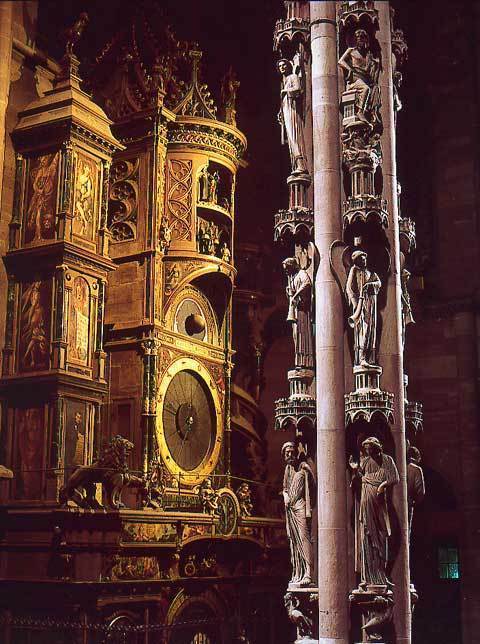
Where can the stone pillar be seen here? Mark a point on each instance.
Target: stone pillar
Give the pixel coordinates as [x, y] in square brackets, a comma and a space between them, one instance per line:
[6, 12]
[331, 466]
[390, 353]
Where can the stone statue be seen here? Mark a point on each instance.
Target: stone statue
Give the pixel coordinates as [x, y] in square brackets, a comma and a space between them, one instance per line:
[244, 496]
[299, 294]
[362, 289]
[415, 482]
[298, 485]
[362, 72]
[208, 497]
[407, 317]
[375, 473]
[291, 115]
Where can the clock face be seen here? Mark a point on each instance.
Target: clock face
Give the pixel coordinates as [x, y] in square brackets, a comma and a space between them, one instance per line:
[190, 422]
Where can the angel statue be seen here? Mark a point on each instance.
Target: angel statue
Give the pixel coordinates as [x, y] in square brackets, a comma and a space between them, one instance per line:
[292, 114]
[372, 477]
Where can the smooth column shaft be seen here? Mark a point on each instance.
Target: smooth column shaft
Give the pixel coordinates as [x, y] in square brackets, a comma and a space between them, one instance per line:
[331, 468]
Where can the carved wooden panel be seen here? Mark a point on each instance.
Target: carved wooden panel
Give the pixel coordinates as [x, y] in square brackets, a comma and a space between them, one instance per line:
[41, 201]
[85, 204]
[179, 198]
[34, 335]
[123, 199]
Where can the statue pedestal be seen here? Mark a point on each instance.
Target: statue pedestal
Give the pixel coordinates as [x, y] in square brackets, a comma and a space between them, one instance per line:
[298, 183]
[301, 604]
[368, 398]
[300, 381]
[375, 603]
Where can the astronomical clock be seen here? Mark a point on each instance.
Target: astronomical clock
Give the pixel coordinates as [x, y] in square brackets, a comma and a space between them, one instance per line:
[118, 354]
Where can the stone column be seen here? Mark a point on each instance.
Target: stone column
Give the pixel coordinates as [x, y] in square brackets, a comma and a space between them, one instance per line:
[331, 466]
[6, 12]
[391, 354]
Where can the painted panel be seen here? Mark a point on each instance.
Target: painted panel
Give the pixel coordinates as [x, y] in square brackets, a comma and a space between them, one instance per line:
[79, 322]
[41, 203]
[86, 195]
[76, 435]
[30, 433]
[35, 313]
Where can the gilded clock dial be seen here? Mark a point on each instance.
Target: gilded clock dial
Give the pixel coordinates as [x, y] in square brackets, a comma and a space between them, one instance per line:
[188, 420]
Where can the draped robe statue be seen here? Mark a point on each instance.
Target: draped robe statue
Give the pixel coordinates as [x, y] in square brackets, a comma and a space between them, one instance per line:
[415, 482]
[299, 293]
[407, 316]
[298, 486]
[362, 72]
[362, 289]
[291, 115]
[376, 473]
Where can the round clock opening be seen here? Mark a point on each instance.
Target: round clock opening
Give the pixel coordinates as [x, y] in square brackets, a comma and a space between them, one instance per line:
[194, 324]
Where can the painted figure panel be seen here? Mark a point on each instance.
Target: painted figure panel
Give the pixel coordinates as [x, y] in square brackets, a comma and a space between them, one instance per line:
[34, 342]
[30, 430]
[85, 201]
[76, 436]
[79, 322]
[41, 202]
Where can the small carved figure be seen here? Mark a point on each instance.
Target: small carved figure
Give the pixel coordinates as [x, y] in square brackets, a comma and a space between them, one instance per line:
[225, 253]
[165, 236]
[303, 623]
[208, 566]
[111, 470]
[215, 239]
[415, 482]
[154, 488]
[208, 497]
[244, 496]
[291, 115]
[376, 472]
[73, 34]
[362, 72]
[298, 485]
[204, 185]
[362, 289]
[299, 294]
[204, 238]
[407, 316]
[230, 86]
[213, 181]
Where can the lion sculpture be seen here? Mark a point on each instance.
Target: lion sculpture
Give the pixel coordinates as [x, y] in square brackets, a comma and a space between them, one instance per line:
[111, 470]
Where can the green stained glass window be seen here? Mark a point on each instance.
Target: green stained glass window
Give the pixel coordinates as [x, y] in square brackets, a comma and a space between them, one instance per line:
[448, 567]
